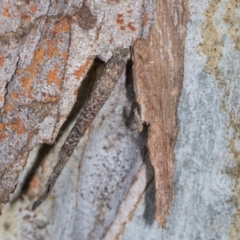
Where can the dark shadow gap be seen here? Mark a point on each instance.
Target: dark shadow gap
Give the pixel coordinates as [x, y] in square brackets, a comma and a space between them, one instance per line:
[149, 195]
[130, 118]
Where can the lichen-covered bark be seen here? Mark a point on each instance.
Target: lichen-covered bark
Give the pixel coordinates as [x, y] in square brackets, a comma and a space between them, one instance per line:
[46, 50]
[93, 184]
[98, 96]
[105, 184]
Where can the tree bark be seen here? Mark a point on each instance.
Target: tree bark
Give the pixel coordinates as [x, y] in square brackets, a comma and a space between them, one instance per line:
[107, 189]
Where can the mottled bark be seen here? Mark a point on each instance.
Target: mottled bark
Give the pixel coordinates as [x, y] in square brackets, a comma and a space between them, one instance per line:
[158, 76]
[46, 50]
[99, 95]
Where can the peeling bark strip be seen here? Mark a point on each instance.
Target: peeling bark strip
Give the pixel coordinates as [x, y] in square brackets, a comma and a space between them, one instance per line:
[102, 91]
[158, 70]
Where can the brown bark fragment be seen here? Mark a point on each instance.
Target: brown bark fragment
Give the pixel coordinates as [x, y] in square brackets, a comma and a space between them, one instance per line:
[158, 69]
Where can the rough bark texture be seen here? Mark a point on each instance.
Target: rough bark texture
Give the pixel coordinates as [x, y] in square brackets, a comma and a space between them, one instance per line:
[46, 49]
[99, 95]
[106, 190]
[158, 77]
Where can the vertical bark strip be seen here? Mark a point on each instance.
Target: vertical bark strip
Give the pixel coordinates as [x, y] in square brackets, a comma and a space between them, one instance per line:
[158, 70]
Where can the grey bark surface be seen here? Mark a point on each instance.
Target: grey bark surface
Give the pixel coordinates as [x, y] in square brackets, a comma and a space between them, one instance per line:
[106, 190]
[97, 98]
[46, 50]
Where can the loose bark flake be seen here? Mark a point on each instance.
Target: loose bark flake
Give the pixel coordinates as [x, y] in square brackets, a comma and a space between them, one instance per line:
[104, 87]
[158, 70]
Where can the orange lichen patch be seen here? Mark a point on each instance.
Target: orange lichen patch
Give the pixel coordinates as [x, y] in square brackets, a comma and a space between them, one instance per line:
[33, 70]
[78, 73]
[65, 25]
[131, 27]
[120, 19]
[120, 22]
[27, 84]
[27, 81]
[52, 49]
[20, 71]
[111, 40]
[3, 133]
[6, 11]
[53, 77]
[39, 55]
[62, 26]
[18, 127]
[8, 108]
[26, 17]
[13, 95]
[33, 8]
[145, 19]
[52, 74]
[51, 98]
[56, 29]
[120, 15]
[1, 61]
[129, 11]
[65, 56]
